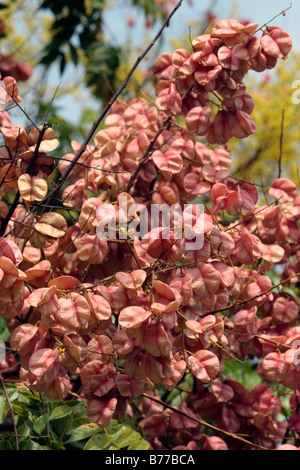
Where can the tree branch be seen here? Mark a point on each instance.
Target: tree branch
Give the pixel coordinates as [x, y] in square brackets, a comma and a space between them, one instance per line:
[237, 302]
[27, 171]
[204, 423]
[95, 125]
[147, 153]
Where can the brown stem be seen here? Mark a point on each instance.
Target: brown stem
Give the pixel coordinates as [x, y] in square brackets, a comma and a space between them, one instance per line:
[204, 423]
[20, 107]
[95, 125]
[147, 153]
[27, 171]
[246, 165]
[272, 341]
[44, 411]
[11, 410]
[252, 215]
[11, 371]
[237, 303]
[274, 18]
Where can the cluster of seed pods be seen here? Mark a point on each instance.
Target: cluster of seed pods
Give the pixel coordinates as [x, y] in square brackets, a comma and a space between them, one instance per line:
[127, 314]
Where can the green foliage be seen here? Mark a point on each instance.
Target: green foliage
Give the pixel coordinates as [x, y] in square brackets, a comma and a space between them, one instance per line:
[77, 36]
[257, 157]
[75, 28]
[149, 7]
[117, 437]
[63, 426]
[102, 63]
[243, 372]
[4, 332]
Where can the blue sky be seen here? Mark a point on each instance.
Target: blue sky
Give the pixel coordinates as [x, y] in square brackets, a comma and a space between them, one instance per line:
[258, 11]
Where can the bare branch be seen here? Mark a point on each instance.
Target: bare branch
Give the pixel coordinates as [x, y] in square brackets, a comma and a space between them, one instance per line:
[283, 12]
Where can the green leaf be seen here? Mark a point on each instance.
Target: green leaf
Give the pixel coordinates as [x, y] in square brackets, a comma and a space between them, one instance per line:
[82, 432]
[96, 4]
[149, 7]
[245, 373]
[125, 436]
[5, 445]
[30, 445]
[15, 396]
[4, 331]
[60, 412]
[40, 424]
[103, 61]
[63, 425]
[26, 428]
[50, 56]
[140, 444]
[98, 442]
[2, 407]
[73, 53]
[62, 63]
[55, 442]
[112, 447]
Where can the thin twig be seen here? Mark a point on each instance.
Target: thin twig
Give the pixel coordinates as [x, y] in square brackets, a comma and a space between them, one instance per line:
[95, 125]
[204, 423]
[19, 106]
[27, 171]
[237, 302]
[11, 411]
[147, 153]
[44, 411]
[246, 165]
[274, 18]
[53, 98]
[253, 215]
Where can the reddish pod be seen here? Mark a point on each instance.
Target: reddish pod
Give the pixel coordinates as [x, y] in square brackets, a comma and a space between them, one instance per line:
[131, 308]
